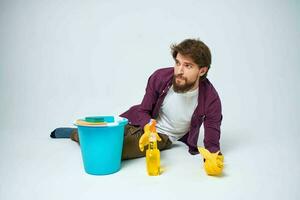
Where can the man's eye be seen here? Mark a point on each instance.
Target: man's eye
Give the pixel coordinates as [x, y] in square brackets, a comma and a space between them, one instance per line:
[188, 66]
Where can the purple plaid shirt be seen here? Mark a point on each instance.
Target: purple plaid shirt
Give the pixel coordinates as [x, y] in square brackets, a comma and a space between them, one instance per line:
[207, 112]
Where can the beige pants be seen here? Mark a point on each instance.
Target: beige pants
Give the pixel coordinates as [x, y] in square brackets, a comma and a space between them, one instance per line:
[132, 136]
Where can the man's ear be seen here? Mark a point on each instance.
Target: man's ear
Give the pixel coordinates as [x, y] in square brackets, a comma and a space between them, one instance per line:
[203, 70]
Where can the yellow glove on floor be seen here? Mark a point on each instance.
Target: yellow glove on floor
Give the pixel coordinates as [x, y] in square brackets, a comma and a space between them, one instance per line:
[144, 140]
[213, 164]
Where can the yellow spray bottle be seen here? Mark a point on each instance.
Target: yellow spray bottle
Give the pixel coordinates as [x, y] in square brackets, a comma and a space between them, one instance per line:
[153, 153]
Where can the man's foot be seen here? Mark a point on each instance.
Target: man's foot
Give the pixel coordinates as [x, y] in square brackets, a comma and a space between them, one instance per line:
[63, 132]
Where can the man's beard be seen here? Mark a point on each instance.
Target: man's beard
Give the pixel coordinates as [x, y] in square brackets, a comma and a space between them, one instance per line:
[182, 88]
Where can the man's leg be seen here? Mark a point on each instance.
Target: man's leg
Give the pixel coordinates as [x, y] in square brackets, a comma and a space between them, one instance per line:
[74, 135]
[132, 136]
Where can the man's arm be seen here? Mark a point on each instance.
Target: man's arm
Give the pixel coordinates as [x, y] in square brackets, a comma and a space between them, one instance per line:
[212, 124]
[148, 102]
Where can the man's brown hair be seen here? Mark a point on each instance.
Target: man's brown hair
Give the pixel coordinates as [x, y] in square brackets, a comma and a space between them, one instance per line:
[194, 49]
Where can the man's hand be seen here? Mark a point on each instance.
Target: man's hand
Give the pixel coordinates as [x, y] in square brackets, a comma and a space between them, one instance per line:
[213, 163]
[144, 140]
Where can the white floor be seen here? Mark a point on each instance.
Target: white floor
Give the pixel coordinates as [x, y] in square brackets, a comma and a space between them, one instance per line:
[44, 168]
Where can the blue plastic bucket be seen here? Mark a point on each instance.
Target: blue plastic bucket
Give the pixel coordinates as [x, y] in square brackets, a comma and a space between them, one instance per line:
[101, 146]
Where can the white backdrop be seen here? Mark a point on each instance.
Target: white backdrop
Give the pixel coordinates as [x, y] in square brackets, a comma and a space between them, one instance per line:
[61, 60]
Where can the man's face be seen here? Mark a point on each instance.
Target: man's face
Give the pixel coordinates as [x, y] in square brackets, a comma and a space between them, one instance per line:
[186, 74]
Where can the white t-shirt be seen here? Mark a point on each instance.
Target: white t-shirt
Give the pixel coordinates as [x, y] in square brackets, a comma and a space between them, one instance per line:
[175, 114]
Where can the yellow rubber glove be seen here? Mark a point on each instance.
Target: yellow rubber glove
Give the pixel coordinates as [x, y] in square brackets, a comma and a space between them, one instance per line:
[148, 128]
[213, 164]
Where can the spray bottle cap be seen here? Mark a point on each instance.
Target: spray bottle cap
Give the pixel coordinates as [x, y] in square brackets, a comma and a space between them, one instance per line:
[152, 128]
[153, 125]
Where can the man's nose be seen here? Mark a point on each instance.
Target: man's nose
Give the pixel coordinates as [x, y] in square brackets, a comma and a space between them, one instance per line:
[180, 69]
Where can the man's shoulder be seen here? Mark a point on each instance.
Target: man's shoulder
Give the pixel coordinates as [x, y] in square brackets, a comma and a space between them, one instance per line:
[162, 75]
[161, 78]
[163, 72]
